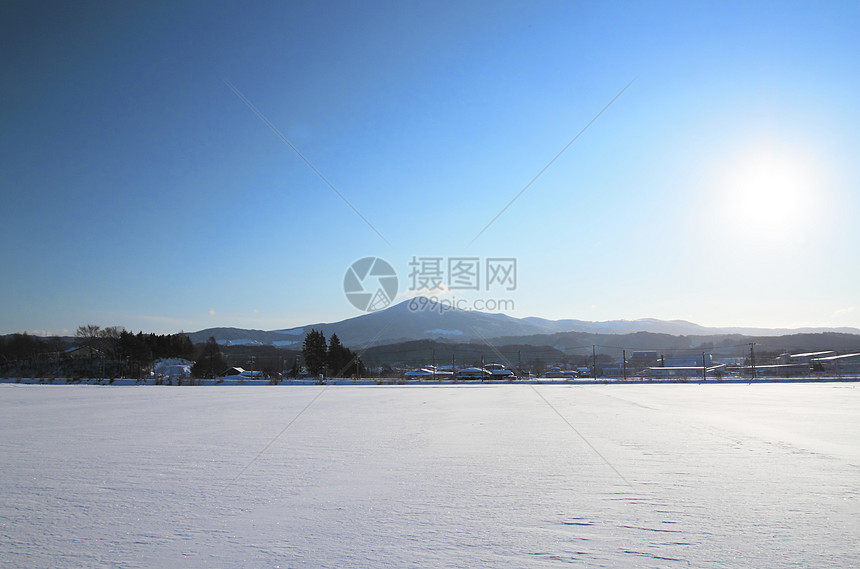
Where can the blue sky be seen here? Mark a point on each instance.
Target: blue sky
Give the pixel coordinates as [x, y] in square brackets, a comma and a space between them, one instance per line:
[139, 190]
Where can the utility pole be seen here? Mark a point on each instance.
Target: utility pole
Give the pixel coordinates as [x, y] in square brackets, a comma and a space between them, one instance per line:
[624, 363]
[519, 363]
[593, 362]
[704, 368]
[752, 359]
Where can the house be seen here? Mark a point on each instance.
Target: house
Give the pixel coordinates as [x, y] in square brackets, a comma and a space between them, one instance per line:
[471, 373]
[428, 372]
[558, 373]
[498, 371]
[422, 373]
[243, 374]
[82, 353]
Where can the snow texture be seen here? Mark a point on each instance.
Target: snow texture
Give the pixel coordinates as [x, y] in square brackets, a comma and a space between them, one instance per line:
[681, 475]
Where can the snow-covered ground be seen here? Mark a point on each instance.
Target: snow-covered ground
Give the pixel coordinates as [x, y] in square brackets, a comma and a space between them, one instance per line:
[679, 475]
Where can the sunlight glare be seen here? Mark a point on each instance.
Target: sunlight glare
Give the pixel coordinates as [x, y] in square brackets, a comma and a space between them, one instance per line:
[770, 196]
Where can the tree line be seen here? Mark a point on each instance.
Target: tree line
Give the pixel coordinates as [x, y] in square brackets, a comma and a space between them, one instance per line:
[331, 359]
[125, 353]
[113, 351]
[94, 352]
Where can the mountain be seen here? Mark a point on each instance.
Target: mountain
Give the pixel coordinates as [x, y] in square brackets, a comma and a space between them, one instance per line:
[673, 327]
[396, 323]
[399, 323]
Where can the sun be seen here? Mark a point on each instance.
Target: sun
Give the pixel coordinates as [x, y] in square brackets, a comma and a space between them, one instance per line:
[769, 195]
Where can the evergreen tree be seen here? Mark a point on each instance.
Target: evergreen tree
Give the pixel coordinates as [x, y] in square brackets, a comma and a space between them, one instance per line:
[134, 351]
[342, 361]
[352, 364]
[338, 356]
[180, 346]
[315, 352]
[210, 363]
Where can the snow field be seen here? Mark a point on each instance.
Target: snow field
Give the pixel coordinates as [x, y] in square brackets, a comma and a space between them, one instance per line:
[430, 476]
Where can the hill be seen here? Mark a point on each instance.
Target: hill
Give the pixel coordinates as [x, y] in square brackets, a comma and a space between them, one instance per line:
[399, 323]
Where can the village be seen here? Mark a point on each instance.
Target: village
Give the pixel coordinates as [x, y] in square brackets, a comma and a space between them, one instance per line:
[641, 366]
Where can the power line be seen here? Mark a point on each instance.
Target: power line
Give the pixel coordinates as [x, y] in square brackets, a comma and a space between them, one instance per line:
[581, 436]
[276, 437]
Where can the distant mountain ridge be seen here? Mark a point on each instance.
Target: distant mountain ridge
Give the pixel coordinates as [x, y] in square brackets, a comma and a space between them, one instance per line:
[398, 323]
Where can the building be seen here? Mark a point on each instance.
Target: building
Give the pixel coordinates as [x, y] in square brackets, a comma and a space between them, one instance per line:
[642, 359]
[844, 364]
[428, 372]
[804, 359]
[665, 372]
[498, 371]
[689, 361]
[82, 353]
[239, 373]
[472, 373]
